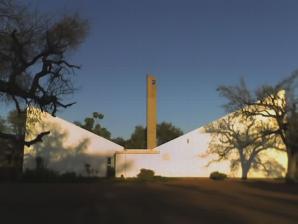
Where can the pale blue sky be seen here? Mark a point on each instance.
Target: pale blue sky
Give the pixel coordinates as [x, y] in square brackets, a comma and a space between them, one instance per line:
[190, 46]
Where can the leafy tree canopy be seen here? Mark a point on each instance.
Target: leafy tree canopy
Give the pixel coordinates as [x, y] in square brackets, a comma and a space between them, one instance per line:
[166, 131]
[92, 124]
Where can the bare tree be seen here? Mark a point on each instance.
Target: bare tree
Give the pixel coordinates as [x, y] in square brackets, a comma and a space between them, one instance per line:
[275, 102]
[240, 141]
[34, 60]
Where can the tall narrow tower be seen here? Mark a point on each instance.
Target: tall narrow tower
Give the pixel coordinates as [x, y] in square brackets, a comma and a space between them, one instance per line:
[151, 112]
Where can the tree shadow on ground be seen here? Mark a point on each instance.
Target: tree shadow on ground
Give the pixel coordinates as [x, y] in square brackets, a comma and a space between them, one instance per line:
[280, 199]
[154, 205]
[243, 201]
[273, 185]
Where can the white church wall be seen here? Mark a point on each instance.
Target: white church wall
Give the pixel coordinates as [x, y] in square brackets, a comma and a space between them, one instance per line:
[181, 157]
[68, 147]
[186, 156]
[128, 164]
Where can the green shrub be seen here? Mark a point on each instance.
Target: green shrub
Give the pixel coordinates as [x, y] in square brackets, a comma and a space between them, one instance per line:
[146, 174]
[217, 176]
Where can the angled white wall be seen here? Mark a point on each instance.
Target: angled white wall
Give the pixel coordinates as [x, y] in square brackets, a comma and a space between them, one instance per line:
[185, 156]
[68, 147]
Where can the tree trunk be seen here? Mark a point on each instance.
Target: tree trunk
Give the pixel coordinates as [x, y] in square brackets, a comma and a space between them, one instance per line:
[292, 167]
[245, 168]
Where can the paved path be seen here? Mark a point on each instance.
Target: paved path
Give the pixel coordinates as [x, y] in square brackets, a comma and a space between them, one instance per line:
[175, 201]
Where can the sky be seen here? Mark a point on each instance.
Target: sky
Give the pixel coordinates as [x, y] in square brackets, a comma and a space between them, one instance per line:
[191, 46]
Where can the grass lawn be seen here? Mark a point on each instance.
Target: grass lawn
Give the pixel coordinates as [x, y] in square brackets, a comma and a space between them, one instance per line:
[173, 201]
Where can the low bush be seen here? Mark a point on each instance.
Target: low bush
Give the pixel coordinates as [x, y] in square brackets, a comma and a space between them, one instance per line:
[69, 176]
[146, 174]
[217, 176]
[40, 175]
[51, 176]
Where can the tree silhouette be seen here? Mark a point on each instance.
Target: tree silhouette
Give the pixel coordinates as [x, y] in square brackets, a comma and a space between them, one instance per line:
[137, 139]
[241, 141]
[34, 65]
[277, 103]
[166, 131]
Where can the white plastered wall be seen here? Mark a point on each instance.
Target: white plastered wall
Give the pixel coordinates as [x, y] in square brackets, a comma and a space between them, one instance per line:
[181, 157]
[68, 147]
[184, 156]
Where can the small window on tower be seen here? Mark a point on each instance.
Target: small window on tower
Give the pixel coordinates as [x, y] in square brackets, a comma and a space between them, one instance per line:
[187, 141]
[153, 82]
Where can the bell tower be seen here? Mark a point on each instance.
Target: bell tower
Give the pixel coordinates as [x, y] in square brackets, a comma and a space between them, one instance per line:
[151, 112]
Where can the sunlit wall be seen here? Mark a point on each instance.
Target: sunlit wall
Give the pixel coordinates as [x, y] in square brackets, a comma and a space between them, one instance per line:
[186, 157]
[68, 148]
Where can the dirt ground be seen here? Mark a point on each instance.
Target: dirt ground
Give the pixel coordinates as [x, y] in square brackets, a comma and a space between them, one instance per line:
[173, 201]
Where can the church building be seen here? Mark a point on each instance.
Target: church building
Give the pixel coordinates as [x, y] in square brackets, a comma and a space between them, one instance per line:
[69, 148]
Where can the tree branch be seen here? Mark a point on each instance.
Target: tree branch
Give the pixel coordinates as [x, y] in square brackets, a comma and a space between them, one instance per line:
[20, 139]
[38, 138]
